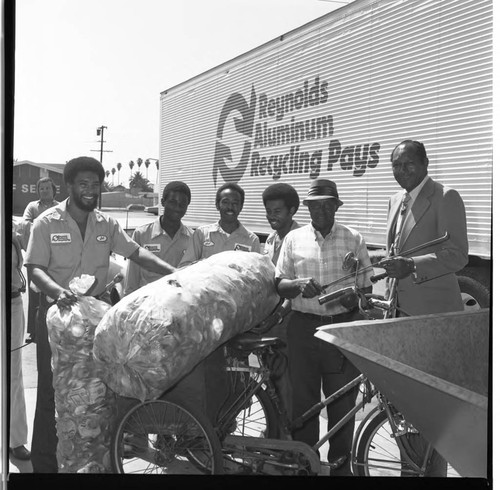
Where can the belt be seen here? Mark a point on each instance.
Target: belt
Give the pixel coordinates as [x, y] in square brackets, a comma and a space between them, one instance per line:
[15, 294]
[328, 318]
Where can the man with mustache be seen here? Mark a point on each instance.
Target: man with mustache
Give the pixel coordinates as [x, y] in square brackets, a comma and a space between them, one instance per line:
[68, 240]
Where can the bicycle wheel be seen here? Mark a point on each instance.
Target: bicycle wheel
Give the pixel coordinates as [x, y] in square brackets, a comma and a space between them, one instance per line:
[259, 418]
[165, 437]
[378, 453]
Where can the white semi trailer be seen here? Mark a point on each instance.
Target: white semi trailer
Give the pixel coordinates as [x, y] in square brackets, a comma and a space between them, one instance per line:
[331, 99]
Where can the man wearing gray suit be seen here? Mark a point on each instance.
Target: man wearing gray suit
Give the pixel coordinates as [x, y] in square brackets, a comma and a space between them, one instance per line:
[424, 283]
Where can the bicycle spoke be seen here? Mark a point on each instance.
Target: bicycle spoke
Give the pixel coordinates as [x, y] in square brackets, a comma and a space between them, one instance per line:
[162, 438]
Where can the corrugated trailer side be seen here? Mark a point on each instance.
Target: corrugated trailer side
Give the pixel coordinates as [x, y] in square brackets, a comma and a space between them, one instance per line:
[331, 99]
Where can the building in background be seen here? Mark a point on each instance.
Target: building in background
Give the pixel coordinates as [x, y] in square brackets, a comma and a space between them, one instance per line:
[26, 174]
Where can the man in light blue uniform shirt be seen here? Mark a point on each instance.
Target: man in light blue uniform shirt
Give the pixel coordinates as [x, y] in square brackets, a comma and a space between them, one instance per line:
[227, 233]
[167, 237]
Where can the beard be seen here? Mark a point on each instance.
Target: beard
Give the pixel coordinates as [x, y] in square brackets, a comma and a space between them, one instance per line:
[85, 205]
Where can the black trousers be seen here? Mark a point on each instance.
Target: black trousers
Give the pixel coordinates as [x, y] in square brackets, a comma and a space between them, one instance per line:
[316, 365]
[44, 441]
[33, 304]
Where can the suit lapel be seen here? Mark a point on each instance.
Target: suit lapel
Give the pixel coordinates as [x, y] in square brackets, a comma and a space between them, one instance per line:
[418, 209]
[393, 214]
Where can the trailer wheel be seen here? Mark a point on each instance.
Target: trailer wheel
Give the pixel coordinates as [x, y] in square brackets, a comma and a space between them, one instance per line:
[474, 295]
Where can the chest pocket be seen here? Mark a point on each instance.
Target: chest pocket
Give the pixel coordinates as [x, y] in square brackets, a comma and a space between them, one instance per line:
[101, 249]
[62, 246]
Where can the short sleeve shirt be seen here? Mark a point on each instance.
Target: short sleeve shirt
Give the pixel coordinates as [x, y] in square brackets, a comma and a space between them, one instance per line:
[36, 208]
[272, 247]
[211, 239]
[305, 253]
[20, 235]
[154, 238]
[56, 245]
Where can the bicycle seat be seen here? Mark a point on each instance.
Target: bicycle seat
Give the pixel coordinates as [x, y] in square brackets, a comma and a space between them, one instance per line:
[248, 342]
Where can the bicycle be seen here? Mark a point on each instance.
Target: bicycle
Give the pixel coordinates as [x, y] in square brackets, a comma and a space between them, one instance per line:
[253, 431]
[245, 440]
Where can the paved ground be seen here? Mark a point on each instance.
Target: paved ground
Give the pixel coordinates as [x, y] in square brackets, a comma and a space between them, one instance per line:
[127, 220]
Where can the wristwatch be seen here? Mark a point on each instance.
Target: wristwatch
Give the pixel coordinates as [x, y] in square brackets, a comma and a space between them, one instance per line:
[413, 271]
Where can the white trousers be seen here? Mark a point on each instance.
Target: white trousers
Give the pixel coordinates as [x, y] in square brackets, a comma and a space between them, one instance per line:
[18, 424]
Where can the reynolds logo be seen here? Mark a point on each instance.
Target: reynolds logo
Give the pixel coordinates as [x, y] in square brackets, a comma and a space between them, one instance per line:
[244, 126]
[60, 238]
[286, 134]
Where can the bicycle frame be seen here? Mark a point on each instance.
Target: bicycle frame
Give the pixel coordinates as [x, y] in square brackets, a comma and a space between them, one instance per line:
[261, 377]
[331, 399]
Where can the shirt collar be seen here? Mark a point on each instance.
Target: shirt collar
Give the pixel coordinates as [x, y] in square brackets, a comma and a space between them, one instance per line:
[319, 236]
[217, 227]
[61, 212]
[274, 234]
[158, 230]
[53, 203]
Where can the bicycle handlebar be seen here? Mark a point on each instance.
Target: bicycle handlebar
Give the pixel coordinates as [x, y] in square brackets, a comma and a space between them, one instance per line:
[325, 298]
[365, 301]
[377, 277]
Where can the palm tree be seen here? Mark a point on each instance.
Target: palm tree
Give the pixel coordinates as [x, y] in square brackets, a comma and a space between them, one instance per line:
[138, 180]
[139, 163]
[107, 174]
[146, 164]
[131, 165]
[113, 171]
[118, 167]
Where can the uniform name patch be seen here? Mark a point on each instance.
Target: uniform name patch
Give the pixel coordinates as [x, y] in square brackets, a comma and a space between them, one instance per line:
[101, 238]
[60, 238]
[153, 247]
[243, 248]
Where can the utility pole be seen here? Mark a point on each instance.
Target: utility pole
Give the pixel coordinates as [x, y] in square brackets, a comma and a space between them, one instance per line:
[100, 132]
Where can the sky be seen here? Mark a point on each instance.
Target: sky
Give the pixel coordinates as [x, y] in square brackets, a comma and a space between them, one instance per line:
[82, 64]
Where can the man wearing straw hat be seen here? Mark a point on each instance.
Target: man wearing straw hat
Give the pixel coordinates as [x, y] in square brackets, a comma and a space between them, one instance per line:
[312, 256]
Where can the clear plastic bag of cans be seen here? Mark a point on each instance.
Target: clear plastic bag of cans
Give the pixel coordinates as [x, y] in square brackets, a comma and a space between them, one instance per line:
[85, 406]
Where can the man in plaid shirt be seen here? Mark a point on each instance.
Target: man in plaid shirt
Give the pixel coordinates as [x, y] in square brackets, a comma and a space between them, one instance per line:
[312, 256]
